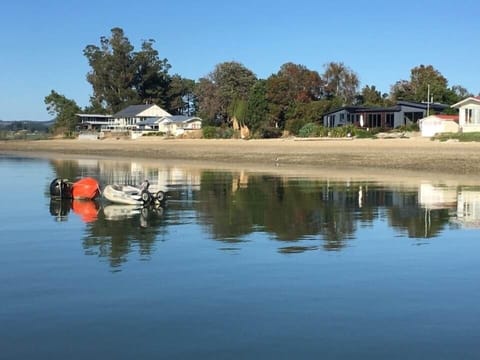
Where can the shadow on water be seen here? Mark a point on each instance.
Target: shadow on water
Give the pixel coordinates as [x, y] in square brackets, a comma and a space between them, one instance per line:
[303, 215]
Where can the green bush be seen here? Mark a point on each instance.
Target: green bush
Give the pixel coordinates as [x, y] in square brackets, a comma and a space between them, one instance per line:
[364, 134]
[294, 126]
[154, 133]
[343, 131]
[462, 137]
[209, 132]
[309, 130]
[269, 132]
[224, 133]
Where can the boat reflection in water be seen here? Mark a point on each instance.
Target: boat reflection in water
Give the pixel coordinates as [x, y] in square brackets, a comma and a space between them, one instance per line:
[87, 210]
[90, 211]
[115, 212]
[238, 207]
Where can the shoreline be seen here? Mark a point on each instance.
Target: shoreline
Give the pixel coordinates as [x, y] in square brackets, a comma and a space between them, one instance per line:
[389, 156]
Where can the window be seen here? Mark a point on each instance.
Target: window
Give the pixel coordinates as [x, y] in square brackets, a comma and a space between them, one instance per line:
[374, 120]
[389, 120]
[468, 116]
[412, 117]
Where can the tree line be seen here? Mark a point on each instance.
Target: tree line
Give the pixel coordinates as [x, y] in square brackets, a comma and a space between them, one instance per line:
[231, 94]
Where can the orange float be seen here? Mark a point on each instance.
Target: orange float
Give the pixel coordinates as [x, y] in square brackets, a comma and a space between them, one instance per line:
[86, 188]
[86, 209]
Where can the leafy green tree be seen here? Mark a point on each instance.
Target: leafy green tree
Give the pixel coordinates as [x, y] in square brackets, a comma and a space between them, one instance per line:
[113, 71]
[257, 107]
[64, 110]
[227, 83]
[460, 92]
[151, 79]
[341, 82]
[208, 102]
[180, 95]
[120, 77]
[370, 96]
[426, 81]
[424, 76]
[292, 85]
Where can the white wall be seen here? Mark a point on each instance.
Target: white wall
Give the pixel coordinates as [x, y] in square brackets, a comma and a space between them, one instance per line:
[154, 111]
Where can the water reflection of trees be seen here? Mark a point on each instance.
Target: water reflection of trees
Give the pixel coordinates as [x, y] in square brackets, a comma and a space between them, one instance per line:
[232, 205]
[115, 239]
[293, 209]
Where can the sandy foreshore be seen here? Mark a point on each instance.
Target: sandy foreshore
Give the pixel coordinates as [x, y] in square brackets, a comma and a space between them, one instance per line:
[399, 155]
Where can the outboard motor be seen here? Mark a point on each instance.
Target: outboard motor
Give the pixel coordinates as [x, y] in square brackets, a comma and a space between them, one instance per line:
[144, 185]
[144, 193]
[60, 188]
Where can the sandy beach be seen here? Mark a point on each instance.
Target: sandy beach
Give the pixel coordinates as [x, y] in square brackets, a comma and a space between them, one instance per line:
[388, 156]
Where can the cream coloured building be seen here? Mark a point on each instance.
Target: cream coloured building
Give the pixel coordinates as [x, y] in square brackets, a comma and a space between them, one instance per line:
[469, 114]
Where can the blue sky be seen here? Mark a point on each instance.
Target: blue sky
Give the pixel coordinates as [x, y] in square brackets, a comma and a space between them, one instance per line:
[42, 42]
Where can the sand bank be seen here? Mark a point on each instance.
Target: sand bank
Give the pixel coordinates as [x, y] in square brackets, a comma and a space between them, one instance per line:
[388, 156]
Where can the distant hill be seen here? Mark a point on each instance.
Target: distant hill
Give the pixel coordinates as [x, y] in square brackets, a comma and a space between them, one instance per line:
[30, 125]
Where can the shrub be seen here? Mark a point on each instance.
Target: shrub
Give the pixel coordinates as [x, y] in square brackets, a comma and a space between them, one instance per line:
[294, 126]
[154, 133]
[462, 137]
[364, 134]
[224, 133]
[309, 130]
[269, 132]
[343, 131]
[209, 132]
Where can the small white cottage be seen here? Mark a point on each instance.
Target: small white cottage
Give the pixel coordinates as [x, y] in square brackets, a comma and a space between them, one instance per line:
[438, 124]
[469, 114]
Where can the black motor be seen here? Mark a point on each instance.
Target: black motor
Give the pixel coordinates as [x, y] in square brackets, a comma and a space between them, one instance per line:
[61, 188]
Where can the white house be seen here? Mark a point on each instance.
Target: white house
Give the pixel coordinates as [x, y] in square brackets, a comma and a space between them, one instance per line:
[469, 114]
[128, 118]
[172, 125]
[179, 124]
[438, 124]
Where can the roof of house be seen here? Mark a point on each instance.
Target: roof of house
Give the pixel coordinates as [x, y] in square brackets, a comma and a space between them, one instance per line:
[181, 118]
[148, 121]
[447, 117]
[94, 115]
[423, 105]
[168, 119]
[362, 109]
[132, 111]
[395, 108]
[441, 117]
[475, 99]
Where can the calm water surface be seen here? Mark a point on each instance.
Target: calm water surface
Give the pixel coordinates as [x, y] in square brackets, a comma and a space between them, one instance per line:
[235, 266]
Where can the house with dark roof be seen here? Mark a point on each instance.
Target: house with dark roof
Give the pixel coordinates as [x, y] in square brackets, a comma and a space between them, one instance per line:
[402, 113]
[94, 122]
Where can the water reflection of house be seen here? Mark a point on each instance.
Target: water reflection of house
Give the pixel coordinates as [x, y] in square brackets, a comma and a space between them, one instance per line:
[468, 209]
[134, 173]
[437, 197]
[465, 203]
